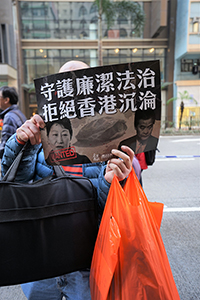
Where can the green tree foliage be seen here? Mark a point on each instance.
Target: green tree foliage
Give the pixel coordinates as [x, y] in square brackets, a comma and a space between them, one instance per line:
[183, 96]
[111, 10]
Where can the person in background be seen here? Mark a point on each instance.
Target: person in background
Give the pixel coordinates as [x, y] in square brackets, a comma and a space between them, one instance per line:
[137, 168]
[12, 117]
[145, 159]
[75, 285]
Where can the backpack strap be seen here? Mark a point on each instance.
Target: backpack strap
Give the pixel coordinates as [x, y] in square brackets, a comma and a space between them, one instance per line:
[18, 114]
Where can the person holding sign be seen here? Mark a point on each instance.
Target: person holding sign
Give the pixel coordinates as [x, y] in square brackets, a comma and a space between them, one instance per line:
[75, 285]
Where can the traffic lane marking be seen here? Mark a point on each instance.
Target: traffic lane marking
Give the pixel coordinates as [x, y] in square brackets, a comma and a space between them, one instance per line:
[177, 156]
[186, 140]
[174, 159]
[181, 209]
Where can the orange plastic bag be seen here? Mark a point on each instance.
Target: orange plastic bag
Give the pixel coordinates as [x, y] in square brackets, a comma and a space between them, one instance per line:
[130, 261]
[105, 258]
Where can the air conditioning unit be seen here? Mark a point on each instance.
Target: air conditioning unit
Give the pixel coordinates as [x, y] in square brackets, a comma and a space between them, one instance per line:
[195, 20]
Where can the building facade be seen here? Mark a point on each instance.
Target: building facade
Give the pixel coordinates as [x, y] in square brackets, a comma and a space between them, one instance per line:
[8, 58]
[53, 32]
[187, 63]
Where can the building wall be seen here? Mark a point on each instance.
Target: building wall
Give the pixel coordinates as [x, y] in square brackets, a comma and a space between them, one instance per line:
[194, 39]
[53, 32]
[8, 74]
[158, 17]
[181, 28]
[187, 54]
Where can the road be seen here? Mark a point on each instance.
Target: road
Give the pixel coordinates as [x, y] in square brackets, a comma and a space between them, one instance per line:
[174, 181]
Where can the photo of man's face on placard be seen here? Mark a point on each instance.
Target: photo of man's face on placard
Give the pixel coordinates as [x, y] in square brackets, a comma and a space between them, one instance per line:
[91, 111]
[143, 140]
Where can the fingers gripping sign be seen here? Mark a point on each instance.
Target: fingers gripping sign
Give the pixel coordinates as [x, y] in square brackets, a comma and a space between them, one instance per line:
[120, 165]
[30, 130]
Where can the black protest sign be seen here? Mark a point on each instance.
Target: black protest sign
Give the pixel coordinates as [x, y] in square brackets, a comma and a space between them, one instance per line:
[89, 112]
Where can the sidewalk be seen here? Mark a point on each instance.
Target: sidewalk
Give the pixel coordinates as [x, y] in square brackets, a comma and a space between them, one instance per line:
[175, 131]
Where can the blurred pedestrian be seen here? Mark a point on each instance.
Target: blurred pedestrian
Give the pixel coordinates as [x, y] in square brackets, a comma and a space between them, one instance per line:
[12, 117]
[136, 167]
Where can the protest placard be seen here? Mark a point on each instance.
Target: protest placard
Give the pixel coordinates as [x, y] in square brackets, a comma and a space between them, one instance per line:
[89, 112]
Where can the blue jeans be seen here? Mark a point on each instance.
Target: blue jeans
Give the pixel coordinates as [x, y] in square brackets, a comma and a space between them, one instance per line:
[74, 286]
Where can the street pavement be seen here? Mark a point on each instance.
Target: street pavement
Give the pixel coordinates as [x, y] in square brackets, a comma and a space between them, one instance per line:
[174, 180]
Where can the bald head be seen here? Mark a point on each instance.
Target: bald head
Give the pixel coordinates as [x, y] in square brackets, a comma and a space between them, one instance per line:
[73, 65]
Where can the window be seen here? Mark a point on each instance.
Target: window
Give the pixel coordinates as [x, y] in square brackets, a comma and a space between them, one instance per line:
[29, 53]
[187, 64]
[83, 23]
[93, 8]
[149, 54]
[82, 11]
[122, 20]
[94, 20]
[194, 26]
[68, 20]
[67, 53]
[123, 32]
[83, 34]
[42, 62]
